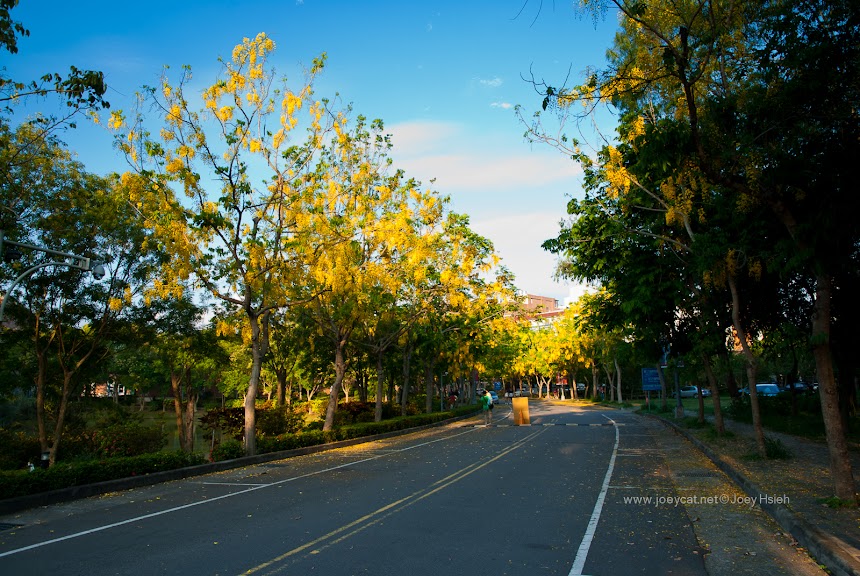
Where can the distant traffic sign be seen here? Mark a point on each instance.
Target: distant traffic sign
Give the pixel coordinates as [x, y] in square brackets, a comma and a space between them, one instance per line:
[651, 380]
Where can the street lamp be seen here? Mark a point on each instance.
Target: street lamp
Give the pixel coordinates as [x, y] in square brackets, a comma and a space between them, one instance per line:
[10, 252]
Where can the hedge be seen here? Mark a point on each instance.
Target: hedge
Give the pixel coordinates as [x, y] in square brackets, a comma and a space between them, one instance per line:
[64, 474]
[76, 473]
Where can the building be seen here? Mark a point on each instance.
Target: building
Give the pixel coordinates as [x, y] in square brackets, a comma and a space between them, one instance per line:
[539, 310]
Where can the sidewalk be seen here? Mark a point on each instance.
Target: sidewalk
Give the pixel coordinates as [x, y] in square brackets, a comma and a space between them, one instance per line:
[791, 491]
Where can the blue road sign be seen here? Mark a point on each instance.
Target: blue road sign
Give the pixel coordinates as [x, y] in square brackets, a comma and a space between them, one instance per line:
[650, 380]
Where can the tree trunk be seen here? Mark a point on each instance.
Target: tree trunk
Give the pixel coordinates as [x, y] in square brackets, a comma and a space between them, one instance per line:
[339, 372]
[281, 389]
[257, 353]
[41, 382]
[731, 383]
[701, 399]
[429, 386]
[377, 412]
[41, 376]
[190, 412]
[595, 379]
[610, 382]
[715, 394]
[175, 389]
[618, 379]
[664, 397]
[840, 458]
[407, 357]
[61, 416]
[752, 368]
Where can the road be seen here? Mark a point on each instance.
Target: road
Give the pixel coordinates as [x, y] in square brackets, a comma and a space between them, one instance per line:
[460, 499]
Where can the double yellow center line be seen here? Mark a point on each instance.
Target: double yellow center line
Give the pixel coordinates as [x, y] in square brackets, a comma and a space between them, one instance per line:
[348, 530]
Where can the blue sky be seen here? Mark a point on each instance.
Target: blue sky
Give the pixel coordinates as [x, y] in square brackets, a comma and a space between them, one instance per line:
[444, 76]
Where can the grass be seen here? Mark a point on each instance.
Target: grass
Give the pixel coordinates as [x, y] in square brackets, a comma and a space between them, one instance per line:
[838, 503]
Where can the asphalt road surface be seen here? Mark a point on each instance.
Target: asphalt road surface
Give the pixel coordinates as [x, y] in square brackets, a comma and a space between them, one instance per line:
[550, 498]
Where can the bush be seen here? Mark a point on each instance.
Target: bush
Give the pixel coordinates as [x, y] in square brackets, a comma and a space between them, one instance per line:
[775, 449]
[230, 422]
[228, 450]
[65, 474]
[313, 434]
[273, 421]
[16, 449]
[128, 439]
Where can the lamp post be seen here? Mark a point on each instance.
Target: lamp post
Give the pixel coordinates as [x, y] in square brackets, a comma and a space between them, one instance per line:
[62, 259]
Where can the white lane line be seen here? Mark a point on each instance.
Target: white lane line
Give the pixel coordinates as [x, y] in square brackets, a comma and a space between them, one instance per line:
[231, 484]
[214, 499]
[582, 553]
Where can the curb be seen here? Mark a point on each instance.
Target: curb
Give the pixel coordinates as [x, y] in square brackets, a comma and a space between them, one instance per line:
[19, 503]
[828, 550]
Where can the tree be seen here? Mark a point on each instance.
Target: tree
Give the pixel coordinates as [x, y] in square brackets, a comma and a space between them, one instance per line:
[185, 355]
[375, 225]
[245, 242]
[70, 315]
[716, 100]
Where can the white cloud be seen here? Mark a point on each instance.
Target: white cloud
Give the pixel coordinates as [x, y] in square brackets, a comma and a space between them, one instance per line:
[517, 240]
[477, 171]
[491, 82]
[514, 194]
[461, 162]
[503, 105]
[419, 136]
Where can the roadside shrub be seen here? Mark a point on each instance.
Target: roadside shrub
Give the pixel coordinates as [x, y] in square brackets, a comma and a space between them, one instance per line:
[775, 449]
[351, 412]
[228, 450]
[65, 474]
[230, 422]
[127, 439]
[273, 421]
[16, 449]
[315, 425]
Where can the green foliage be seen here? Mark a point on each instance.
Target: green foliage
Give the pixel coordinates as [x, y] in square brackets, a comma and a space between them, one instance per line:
[838, 503]
[126, 439]
[228, 421]
[776, 450]
[228, 450]
[16, 449]
[63, 474]
[271, 421]
[352, 412]
[692, 422]
[315, 437]
[710, 434]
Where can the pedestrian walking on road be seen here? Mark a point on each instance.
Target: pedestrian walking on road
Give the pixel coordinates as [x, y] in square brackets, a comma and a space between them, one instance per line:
[487, 406]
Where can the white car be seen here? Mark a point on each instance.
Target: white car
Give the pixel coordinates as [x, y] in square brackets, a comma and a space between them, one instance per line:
[766, 389]
[693, 392]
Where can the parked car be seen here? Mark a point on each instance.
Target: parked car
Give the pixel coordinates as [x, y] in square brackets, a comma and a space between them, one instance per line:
[693, 392]
[800, 388]
[765, 389]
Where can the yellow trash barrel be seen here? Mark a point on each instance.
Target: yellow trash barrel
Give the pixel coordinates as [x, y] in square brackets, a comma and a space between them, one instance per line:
[521, 411]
